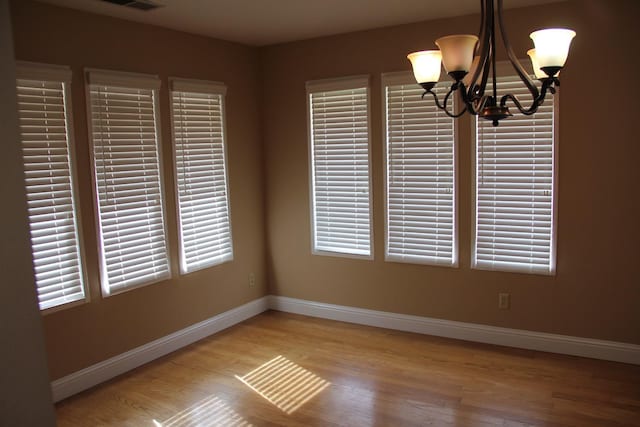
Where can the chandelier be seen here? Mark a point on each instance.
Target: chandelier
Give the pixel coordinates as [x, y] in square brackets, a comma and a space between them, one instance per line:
[471, 60]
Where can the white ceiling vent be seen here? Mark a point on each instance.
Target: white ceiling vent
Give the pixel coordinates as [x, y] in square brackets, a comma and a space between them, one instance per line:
[145, 5]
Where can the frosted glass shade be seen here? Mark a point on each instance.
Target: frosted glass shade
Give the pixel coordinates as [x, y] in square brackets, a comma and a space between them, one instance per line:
[457, 51]
[426, 65]
[552, 46]
[536, 67]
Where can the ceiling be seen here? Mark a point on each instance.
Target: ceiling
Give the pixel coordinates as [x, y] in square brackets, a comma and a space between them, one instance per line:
[265, 22]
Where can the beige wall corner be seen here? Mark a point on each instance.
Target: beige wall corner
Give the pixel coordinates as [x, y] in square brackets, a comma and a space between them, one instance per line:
[25, 395]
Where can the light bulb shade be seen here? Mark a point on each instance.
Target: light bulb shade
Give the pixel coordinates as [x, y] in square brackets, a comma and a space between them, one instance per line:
[552, 46]
[426, 65]
[540, 74]
[457, 51]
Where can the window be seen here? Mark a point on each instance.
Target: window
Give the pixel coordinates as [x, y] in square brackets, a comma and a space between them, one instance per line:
[339, 158]
[201, 176]
[420, 175]
[515, 189]
[125, 139]
[44, 110]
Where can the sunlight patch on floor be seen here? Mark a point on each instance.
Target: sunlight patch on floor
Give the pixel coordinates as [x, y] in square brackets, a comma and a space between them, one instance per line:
[284, 384]
[209, 412]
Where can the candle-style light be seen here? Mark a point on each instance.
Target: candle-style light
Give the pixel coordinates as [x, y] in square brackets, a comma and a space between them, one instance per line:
[426, 65]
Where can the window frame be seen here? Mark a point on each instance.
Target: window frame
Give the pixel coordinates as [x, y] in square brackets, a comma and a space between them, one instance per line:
[177, 84]
[505, 69]
[35, 71]
[136, 81]
[328, 85]
[407, 78]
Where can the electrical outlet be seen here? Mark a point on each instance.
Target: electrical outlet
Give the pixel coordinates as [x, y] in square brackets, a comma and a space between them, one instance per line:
[252, 280]
[504, 301]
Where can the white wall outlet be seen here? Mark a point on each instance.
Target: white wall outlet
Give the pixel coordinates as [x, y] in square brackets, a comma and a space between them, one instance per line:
[504, 301]
[252, 280]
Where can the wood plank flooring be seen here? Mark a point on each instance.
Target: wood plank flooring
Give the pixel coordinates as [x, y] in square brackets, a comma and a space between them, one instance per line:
[280, 369]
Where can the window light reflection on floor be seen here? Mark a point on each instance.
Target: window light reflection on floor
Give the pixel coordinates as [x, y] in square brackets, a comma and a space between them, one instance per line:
[284, 384]
[209, 412]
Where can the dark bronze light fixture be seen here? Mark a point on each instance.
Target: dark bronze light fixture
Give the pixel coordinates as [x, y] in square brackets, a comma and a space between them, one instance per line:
[471, 74]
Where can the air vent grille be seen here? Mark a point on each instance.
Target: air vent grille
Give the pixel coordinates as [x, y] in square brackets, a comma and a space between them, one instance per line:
[145, 5]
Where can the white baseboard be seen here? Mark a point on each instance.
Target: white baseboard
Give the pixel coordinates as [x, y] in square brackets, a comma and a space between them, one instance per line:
[110, 368]
[563, 344]
[117, 365]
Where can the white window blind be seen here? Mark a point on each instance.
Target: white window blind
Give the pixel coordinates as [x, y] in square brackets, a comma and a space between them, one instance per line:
[124, 134]
[43, 109]
[201, 176]
[339, 157]
[514, 212]
[420, 175]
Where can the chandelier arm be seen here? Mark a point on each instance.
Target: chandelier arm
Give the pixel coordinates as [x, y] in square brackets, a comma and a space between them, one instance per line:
[473, 104]
[485, 35]
[524, 76]
[479, 89]
[477, 105]
[528, 111]
[483, 17]
[494, 80]
[443, 107]
[547, 85]
[446, 98]
[486, 67]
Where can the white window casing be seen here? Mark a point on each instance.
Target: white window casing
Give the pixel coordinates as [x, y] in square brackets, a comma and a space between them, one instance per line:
[515, 188]
[44, 109]
[420, 174]
[123, 118]
[199, 142]
[339, 156]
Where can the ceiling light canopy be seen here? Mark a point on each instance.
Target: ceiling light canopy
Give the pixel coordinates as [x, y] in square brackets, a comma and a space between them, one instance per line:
[470, 60]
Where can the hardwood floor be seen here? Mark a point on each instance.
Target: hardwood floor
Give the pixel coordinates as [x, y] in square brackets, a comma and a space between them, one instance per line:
[289, 370]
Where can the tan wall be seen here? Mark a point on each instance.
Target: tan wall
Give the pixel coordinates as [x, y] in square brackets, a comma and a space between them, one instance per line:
[25, 395]
[595, 292]
[83, 335]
